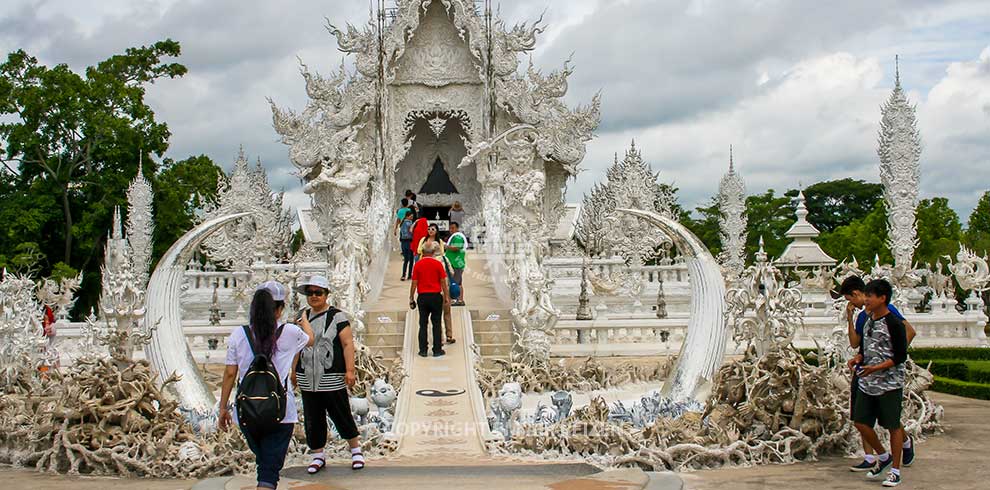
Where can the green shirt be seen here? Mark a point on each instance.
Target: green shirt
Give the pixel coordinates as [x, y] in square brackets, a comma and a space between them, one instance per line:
[456, 258]
[401, 213]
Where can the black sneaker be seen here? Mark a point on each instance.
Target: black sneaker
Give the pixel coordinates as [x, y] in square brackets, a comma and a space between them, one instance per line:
[422, 353]
[892, 480]
[880, 467]
[907, 457]
[438, 353]
[862, 466]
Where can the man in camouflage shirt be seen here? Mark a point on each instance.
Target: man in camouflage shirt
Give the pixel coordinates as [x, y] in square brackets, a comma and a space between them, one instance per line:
[881, 380]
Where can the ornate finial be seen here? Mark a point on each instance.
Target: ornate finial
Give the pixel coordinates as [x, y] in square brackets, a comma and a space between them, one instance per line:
[117, 233]
[632, 144]
[897, 71]
[731, 168]
[802, 210]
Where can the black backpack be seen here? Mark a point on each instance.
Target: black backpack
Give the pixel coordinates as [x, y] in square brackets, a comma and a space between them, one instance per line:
[261, 395]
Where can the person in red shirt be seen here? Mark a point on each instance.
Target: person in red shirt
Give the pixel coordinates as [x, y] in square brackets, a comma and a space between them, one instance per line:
[420, 230]
[429, 280]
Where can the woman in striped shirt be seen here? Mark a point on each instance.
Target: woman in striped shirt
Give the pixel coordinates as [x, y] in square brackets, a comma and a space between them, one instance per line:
[323, 373]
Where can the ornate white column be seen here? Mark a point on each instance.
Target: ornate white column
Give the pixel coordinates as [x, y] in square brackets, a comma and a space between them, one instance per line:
[900, 151]
[140, 225]
[732, 222]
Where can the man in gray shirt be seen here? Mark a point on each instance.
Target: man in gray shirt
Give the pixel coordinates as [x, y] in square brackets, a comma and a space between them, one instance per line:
[881, 371]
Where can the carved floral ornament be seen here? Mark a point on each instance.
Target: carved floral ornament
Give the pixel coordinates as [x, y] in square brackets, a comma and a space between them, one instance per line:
[437, 120]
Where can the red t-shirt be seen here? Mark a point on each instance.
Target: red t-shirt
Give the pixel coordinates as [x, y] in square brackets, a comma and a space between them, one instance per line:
[420, 230]
[430, 273]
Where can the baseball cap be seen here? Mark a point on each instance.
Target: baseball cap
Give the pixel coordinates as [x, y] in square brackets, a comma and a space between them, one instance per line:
[276, 289]
[318, 281]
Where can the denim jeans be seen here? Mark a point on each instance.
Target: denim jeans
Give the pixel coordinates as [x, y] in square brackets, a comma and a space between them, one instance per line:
[269, 452]
[407, 257]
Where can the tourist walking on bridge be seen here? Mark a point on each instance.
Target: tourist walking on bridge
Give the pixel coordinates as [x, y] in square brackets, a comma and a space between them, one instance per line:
[405, 241]
[264, 347]
[429, 282]
[457, 243]
[323, 374]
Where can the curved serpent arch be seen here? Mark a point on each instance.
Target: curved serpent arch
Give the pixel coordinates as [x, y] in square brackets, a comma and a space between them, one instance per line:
[168, 351]
[704, 345]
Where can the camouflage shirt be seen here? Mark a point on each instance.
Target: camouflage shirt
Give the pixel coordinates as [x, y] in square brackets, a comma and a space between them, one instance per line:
[884, 338]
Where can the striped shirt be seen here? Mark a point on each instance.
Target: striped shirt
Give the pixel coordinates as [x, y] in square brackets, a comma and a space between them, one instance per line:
[321, 367]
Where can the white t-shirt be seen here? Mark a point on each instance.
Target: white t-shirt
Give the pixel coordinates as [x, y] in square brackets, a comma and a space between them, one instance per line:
[292, 340]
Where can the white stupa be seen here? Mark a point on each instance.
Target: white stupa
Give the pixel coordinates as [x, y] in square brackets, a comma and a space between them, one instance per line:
[803, 251]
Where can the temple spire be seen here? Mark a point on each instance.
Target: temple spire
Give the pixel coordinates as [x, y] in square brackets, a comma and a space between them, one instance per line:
[731, 169]
[897, 71]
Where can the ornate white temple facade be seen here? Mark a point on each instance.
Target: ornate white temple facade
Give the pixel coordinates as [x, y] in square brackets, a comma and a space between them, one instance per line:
[439, 91]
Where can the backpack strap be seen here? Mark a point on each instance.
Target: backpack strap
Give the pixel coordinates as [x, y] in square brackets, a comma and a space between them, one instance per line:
[250, 338]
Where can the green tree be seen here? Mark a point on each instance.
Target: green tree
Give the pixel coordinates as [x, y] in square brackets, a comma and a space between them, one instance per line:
[978, 226]
[862, 239]
[939, 230]
[71, 131]
[834, 203]
[768, 216]
[181, 190]
[705, 226]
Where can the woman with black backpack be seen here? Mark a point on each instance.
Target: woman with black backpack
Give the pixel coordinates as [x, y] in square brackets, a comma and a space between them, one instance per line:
[323, 373]
[262, 354]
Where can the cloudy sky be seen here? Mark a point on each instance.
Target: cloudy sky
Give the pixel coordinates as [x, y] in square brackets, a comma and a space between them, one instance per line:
[794, 86]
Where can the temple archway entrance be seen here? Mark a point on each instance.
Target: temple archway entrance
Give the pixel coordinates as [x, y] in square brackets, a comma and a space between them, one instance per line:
[430, 169]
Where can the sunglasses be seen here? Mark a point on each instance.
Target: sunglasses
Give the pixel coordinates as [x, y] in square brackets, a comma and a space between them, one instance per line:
[315, 292]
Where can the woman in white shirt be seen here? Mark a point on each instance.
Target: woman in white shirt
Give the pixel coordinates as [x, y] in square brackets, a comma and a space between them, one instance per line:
[269, 448]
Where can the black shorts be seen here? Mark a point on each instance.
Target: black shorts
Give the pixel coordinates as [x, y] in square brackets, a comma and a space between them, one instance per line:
[853, 391]
[885, 409]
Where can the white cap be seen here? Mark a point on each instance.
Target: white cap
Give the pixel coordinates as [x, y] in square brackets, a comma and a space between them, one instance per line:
[276, 289]
[318, 281]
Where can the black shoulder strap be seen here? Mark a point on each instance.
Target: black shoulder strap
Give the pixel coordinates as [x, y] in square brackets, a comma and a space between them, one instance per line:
[250, 339]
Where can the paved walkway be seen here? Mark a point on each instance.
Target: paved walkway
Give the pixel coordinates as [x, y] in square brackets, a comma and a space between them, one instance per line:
[954, 460]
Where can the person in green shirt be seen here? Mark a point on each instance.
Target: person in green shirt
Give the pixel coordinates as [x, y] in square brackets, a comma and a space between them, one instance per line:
[455, 251]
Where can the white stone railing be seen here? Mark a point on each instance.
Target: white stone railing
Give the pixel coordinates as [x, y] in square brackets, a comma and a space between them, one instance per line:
[645, 336]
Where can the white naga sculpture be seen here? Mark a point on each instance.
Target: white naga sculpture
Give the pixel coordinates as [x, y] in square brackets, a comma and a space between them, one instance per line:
[264, 235]
[900, 151]
[970, 270]
[704, 345]
[732, 222]
[434, 82]
[167, 351]
[140, 226]
[777, 310]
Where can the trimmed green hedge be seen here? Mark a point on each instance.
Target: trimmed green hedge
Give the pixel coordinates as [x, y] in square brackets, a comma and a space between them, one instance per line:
[962, 388]
[951, 353]
[972, 371]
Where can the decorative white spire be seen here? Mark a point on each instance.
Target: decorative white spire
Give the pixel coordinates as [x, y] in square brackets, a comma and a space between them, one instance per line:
[732, 221]
[140, 224]
[900, 153]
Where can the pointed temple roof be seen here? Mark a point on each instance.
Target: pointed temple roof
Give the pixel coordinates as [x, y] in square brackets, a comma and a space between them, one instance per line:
[803, 251]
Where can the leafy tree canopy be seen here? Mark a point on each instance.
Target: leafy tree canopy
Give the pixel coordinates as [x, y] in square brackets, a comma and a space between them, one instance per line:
[181, 189]
[834, 203]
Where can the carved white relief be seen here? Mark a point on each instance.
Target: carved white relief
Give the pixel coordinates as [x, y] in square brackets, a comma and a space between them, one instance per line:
[732, 222]
[140, 225]
[900, 152]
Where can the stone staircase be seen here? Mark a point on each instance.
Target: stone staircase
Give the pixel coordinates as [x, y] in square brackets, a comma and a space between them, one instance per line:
[383, 332]
[492, 332]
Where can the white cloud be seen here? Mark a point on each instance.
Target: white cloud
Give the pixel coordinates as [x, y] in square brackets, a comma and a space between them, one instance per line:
[817, 121]
[794, 86]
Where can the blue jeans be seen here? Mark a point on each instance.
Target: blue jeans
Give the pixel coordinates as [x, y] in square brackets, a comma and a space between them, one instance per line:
[407, 257]
[269, 452]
